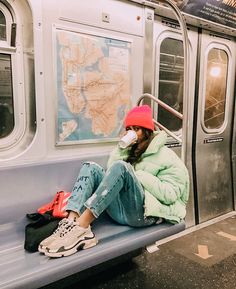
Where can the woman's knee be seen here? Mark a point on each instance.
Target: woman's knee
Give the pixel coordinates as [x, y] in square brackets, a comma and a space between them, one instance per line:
[92, 165]
[120, 165]
[91, 169]
[119, 169]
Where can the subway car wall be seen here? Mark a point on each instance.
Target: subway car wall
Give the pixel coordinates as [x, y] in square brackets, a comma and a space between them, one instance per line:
[70, 70]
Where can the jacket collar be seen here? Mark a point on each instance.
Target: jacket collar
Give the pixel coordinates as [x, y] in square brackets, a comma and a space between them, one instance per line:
[157, 143]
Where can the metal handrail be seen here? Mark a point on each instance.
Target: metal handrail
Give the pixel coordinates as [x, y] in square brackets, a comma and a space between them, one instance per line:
[168, 108]
[183, 27]
[168, 131]
[161, 103]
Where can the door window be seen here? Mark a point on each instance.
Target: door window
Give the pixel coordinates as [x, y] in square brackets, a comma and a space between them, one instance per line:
[215, 88]
[171, 70]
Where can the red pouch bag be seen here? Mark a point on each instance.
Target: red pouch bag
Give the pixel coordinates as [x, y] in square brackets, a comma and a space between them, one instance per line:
[57, 206]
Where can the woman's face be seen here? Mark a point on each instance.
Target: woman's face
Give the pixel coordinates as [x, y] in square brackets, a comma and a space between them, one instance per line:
[138, 131]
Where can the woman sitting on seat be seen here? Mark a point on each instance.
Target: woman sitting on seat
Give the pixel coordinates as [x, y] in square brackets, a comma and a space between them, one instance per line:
[144, 183]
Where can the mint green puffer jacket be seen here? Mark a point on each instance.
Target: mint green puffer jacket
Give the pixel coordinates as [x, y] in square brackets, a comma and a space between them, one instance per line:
[164, 178]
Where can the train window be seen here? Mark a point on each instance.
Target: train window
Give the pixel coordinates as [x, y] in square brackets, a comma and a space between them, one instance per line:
[6, 96]
[171, 81]
[215, 89]
[3, 32]
[17, 99]
[6, 83]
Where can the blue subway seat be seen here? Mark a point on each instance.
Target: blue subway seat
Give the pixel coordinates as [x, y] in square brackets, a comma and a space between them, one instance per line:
[23, 190]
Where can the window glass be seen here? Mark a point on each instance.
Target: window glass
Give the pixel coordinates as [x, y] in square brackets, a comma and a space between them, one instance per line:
[171, 82]
[215, 92]
[6, 96]
[3, 35]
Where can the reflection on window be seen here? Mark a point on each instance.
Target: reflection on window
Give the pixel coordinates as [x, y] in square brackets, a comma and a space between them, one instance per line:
[171, 81]
[217, 67]
[6, 96]
[3, 35]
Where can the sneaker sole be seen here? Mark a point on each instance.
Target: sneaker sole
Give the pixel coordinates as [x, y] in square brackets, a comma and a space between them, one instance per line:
[43, 248]
[82, 245]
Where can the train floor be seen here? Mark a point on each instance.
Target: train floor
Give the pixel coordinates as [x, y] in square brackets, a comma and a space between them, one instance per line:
[204, 258]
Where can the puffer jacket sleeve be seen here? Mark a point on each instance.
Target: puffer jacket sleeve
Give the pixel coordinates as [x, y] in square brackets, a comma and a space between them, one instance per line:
[116, 155]
[166, 192]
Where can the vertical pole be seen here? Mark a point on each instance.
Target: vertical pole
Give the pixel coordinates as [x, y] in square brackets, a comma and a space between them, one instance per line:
[148, 68]
[183, 27]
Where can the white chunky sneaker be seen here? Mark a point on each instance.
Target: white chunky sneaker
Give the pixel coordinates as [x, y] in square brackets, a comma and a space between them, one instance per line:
[46, 242]
[72, 239]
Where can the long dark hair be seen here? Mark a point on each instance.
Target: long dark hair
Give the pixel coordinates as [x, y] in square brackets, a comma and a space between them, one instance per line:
[136, 151]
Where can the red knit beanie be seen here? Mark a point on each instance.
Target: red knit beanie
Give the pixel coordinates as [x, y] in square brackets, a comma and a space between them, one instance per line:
[140, 116]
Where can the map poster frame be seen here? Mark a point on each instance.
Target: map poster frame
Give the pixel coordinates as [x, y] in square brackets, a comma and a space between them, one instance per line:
[93, 85]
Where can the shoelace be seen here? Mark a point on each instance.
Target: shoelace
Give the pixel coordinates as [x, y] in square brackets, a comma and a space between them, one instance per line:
[67, 228]
[61, 226]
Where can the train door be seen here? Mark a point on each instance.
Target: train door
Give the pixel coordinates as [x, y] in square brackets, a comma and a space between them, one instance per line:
[213, 127]
[168, 86]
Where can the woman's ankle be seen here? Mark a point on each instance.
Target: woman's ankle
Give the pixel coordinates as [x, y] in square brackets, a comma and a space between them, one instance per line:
[74, 216]
[86, 219]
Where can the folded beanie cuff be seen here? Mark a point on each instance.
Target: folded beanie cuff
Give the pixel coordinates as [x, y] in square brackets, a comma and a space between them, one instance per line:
[140, 116]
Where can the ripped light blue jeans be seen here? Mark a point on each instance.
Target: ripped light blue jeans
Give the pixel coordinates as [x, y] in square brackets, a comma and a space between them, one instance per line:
[117, 191]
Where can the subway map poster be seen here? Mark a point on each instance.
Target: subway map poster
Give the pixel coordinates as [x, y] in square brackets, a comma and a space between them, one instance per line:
[93, 87]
